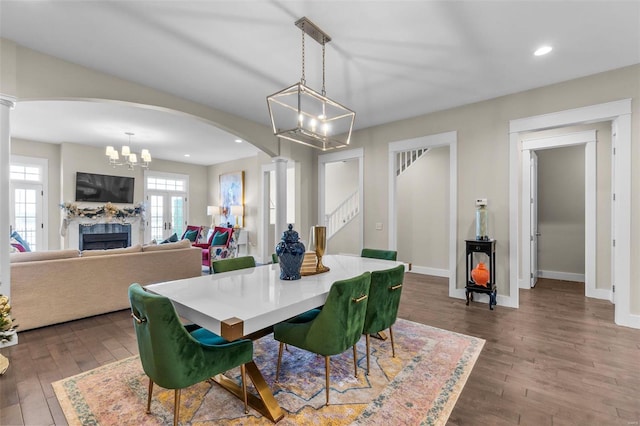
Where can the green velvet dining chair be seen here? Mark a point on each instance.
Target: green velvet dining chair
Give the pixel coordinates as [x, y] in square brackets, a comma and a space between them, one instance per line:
[332, 329]
[379, 254]
[232, 264]
[382, 306]
[175, 358]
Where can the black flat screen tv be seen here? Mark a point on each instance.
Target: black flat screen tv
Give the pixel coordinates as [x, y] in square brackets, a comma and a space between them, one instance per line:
[104, 188]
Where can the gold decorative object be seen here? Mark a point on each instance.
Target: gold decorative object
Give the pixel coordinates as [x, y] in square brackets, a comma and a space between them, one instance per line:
[318, 244]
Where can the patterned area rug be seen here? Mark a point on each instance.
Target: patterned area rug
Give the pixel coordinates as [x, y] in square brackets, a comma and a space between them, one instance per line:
[419, 386]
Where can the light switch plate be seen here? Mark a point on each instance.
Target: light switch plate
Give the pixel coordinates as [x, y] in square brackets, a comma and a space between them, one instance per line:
[378, 226]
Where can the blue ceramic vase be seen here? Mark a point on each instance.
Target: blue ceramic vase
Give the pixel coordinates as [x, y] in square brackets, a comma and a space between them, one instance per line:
[290, 253]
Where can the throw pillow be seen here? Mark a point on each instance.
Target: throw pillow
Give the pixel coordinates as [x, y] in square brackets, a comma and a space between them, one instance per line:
[220, 238]
[191, 235]
[171, 239]
[20, 240]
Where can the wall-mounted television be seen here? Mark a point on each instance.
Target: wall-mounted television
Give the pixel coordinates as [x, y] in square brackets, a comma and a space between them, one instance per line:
[104, 188]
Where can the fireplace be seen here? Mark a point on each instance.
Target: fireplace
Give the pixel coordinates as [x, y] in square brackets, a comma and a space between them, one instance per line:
[101, 236]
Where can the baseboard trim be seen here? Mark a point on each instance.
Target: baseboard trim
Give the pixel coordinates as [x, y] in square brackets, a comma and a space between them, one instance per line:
[564, 276]
[425, 270]
[599, 293]
[631, 320]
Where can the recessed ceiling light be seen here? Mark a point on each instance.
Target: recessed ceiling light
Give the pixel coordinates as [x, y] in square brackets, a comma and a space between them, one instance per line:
[238, 141]
[543, 50]
[187, 155]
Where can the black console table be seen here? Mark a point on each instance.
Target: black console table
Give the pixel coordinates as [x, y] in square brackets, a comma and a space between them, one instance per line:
[487, 247]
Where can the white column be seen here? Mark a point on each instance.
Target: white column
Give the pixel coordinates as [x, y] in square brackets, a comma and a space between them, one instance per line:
[6, 104]
[281, 196]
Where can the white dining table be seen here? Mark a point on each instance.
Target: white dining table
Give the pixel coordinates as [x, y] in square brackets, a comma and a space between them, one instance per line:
[245, 302]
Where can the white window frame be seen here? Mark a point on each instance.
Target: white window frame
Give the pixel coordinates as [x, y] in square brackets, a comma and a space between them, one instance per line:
[43, 165]
[164, 175]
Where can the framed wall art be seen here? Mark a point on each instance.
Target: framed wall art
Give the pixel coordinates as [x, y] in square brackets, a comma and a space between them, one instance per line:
[232, 194]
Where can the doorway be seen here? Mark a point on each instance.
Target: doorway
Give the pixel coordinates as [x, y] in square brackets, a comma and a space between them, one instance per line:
[619, 114]
[571, 224]
[353, 201]
[449, 139]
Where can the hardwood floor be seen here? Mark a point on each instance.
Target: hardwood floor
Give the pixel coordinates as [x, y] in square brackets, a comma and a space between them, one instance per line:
[558, 360]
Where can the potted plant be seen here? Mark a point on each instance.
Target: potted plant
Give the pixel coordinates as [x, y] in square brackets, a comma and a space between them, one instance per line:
[7, 324]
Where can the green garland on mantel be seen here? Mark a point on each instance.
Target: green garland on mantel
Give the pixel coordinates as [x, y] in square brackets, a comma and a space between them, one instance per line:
[109, 212]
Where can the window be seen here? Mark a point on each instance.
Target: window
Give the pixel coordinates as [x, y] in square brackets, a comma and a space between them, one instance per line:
[166, 196]
[28, 198]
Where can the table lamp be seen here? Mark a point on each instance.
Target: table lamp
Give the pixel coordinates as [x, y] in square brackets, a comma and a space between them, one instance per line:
[238, 213]
[212, 211]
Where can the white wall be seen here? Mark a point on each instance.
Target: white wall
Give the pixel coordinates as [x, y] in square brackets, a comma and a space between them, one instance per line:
[561, 203]
[423, 211]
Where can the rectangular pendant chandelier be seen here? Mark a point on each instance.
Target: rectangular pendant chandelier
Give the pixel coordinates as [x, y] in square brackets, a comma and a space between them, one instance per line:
[303, 115]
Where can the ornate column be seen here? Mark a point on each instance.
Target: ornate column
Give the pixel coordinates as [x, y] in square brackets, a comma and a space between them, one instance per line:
[6, 104]
[281, 196]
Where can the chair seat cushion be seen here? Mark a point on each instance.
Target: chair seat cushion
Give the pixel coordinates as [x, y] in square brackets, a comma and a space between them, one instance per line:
[305, 317]
[207, 337]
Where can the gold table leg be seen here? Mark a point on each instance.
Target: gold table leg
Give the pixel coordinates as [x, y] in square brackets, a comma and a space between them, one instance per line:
[380, 335]
[264, 403]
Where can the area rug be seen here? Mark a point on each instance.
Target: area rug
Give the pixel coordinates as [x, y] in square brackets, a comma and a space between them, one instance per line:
[419, 386]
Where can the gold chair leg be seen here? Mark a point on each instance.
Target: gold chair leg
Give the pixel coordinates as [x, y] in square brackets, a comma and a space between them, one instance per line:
[355, 361]
[393, 347]
[366, 338]
[149, 396]
[176, 407]
[279, 360]
[243, 376]
[327, 369]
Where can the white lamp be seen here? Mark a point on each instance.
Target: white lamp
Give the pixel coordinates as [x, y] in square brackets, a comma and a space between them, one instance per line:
[237, 212]
[213, 211]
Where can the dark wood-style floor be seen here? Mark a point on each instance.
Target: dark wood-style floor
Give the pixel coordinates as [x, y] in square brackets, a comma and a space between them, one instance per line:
[558, 360]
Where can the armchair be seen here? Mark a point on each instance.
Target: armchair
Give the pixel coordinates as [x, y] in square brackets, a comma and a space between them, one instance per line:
[210, 250]
[175, 358]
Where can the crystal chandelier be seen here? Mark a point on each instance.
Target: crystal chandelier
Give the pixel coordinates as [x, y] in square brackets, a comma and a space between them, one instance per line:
[129, 159]
[300, 114]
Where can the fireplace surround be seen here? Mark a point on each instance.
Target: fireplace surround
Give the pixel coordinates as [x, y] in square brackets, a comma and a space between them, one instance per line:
[101, 236]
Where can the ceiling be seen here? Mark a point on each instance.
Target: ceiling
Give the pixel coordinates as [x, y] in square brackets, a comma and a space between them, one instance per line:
[388, 60]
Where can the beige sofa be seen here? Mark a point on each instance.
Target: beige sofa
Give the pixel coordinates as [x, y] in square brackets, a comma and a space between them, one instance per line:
[62, 285]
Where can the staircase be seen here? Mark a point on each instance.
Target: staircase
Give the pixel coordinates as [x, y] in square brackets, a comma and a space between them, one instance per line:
[407, 158]
[343, 214]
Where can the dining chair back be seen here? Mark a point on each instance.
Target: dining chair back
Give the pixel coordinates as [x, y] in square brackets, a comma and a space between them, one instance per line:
[232, 264]
[331, 330]
[382, 307]
[379, 254]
